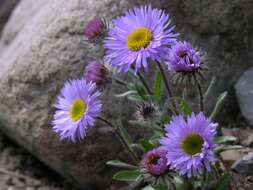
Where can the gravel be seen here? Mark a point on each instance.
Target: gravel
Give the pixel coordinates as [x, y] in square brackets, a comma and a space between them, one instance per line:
[19, 170]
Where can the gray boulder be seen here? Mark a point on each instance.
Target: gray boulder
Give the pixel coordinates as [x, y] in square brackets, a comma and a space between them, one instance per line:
[244, 93]
[244, 166]
[44, 50]
[6, 7]
[44, 46]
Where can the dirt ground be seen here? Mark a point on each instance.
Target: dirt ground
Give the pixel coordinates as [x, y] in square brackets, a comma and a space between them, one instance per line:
[21, 171]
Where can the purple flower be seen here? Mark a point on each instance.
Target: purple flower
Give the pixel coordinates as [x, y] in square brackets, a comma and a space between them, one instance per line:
[94, 29]
[155, 162]
[77, 107]
[140, 34]
[182, 57]
[95, 72]
[189, 144]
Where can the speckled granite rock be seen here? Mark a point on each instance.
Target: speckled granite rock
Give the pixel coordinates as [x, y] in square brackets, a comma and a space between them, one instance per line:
[244, 165]
[49, 48]
[244, 92]
[6, 7]
[44, 46]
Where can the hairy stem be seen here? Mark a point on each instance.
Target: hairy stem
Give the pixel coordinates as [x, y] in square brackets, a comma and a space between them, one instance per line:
[167, 85]
[165, 79]
[144, 82]
[121, 82]
[201, 97]
[121, 138]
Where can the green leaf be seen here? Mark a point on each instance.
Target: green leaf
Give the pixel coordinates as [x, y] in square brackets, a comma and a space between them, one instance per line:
[165, 118]
[225, 139]
[223, 182]
[147, 145]
[148, 188]
[210, 87]
[125, 94]
[158, 86]
[140, 89]
[126, 175]
[161, 187]
[219, 103]
[137, 146]
[125, 135]
[121, 164]
[138, 123]
[185, 108]
[135, 98]
[180, 185]
[223, 148]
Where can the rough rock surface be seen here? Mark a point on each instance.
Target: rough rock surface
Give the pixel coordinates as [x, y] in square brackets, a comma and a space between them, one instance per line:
[49, 49]
[6, 7]
[244, 92]
[44, 46]
[19, 170]
[244, 166]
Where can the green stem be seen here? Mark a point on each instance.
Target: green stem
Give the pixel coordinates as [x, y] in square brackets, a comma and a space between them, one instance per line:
[205, 179]
[121, 82]
[144, 82]
[121, 138]
[165, 79]
[201, 97]
[167, 85]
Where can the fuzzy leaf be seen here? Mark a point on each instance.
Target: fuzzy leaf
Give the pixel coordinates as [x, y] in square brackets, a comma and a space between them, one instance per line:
[135, 98]
[148, 188]
[126, 175]
[147, 145]
[225, 139]
[121, 164]
[185, 108]
[158, 86]
[210, 87]
[125, 94]
[219, 103]
[223, 182]
[223, 148]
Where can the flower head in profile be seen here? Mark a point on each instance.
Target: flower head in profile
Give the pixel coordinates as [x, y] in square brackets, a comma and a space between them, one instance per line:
[189, 144]
[95, 72]
[77, 107]
[147, 111]
[154, 163]
[142, 33]
[94, 29]
[183, 58]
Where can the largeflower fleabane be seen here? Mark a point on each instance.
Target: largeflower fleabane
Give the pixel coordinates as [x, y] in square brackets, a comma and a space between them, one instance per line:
[189, 144]
[76, 109]
[95, 72]
[139, 38]
[94, 29]
[155, 162]
[142, 33]
[182, 57]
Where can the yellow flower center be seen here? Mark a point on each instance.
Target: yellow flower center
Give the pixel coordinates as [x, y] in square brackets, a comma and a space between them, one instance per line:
[139, 38]
[192, 144]
[77, 109]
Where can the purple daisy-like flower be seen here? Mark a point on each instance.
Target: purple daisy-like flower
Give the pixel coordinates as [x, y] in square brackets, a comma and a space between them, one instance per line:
[142, 33]
[189, 144]
[182, 57]
[94, 29]
[155, 162]
[77, 107]
[95, 72]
